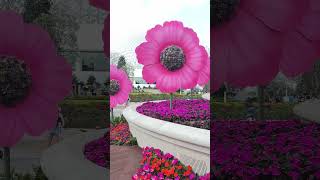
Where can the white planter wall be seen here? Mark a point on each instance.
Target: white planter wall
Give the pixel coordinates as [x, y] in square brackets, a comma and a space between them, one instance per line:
[190, 145]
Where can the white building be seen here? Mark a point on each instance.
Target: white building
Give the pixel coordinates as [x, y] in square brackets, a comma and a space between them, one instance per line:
[92, 61]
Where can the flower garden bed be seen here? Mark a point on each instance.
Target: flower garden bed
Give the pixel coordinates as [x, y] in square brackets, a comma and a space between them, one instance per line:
[171, 138]
[286, 149]
[97, 151]
[157, 165]
[194, 113]
[120, 135]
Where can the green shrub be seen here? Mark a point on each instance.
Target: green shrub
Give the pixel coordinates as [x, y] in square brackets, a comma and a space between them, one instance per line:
[142, 97]
[85, 113]
[237, 110]
[105, 98]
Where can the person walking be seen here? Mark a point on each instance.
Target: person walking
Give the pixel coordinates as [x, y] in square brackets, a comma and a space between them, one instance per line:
[57, 131]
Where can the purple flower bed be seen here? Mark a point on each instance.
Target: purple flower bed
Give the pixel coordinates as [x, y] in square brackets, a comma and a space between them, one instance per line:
[97, 151]
[266, 149]
[195, 113]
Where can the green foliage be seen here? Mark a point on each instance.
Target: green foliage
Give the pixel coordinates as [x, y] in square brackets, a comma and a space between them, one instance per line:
[237, 110]
[121, 62]
[142, 97]
[85, 113]
[118, 120]
[91, 80]
[35, 8]
[100, 98]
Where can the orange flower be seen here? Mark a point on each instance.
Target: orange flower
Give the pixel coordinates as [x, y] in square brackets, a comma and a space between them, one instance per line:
[189, 168]
[166, 164]
[169, 172]
[187, 173]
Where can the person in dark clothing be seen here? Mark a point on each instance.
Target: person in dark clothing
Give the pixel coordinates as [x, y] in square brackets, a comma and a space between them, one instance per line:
[57, 131]
[251, 110]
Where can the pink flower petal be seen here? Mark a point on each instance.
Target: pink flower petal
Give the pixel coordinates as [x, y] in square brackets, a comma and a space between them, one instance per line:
[250, 52]
[102, 4]
[148, 53]
[278, 15]
[204, 75]
[196, 58]
[150, 73]
[299, 55]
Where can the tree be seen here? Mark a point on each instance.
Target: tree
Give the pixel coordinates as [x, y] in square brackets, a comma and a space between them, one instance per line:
[121, 62]
[309, 82]
[91, 80]
[35, 8]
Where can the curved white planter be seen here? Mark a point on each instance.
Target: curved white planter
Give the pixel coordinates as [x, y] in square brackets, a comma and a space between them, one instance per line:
[66, 161]
[206, 96]
[190, 145]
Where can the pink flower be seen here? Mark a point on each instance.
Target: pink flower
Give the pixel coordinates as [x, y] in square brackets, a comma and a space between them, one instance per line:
[102, 4]
[172, 57]
[38, 79]
[204, 75]
[302, 43]
[120, 86]
[247, 38]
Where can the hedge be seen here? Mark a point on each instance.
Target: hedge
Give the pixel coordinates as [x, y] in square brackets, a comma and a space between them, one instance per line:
[237, 110]
[87, 98]
[142, 97]
[85, 113]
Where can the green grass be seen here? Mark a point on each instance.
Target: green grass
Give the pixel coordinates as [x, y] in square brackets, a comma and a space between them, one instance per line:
[85, 113]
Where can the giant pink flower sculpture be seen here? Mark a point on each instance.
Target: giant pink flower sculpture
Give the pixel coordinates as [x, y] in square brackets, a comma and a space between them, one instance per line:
[33, 79]
[302, 44]
[204, 75]
[172, 57]
[248, 38]
[120, 86]
[102, 4]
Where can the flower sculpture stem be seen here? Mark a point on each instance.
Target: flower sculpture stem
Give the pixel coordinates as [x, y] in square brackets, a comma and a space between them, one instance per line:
[171, 99]
[112, 115]
[261, 102]
[7, 163]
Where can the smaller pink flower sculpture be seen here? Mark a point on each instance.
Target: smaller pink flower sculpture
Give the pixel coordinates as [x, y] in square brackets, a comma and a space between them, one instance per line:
[172, 57]
[33, 79]
[120, 86]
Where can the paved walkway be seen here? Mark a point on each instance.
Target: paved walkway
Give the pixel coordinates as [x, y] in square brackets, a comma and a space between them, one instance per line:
[65, 160]
[124, 161]
[28, 151]
[309, 110]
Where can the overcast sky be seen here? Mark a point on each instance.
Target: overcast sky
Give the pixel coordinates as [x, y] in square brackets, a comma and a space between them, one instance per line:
[130, 20]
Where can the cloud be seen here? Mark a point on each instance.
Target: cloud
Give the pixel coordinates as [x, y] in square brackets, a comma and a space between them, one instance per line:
[130, 20]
